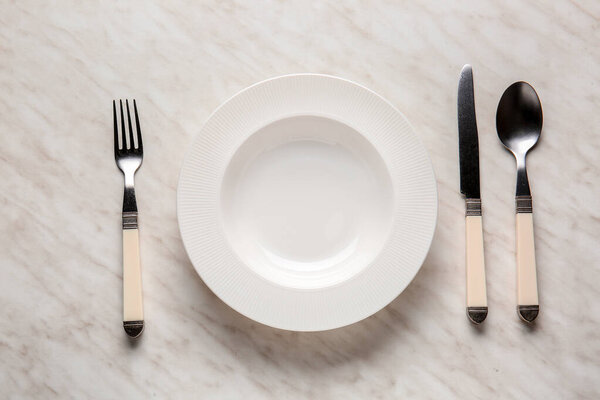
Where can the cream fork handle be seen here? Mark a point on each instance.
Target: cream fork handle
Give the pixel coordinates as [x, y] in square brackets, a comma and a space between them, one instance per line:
[133, 311]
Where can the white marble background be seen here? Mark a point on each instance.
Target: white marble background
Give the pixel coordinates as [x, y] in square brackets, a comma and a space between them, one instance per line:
[60, 196]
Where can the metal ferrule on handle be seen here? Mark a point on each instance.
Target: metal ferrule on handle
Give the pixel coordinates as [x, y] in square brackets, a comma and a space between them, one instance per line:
[130, 220]
[523, 204]
[473, 207]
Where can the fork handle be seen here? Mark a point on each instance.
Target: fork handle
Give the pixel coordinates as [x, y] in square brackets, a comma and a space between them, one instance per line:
[133, 310]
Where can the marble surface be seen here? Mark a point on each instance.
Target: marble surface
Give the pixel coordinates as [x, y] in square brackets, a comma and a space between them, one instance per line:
[60, 196]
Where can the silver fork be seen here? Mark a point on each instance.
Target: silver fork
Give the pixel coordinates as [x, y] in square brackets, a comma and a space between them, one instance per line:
[129, 158]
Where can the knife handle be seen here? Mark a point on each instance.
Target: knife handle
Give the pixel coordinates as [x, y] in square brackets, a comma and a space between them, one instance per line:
[527, 292]
[477, 307]
[133, 311]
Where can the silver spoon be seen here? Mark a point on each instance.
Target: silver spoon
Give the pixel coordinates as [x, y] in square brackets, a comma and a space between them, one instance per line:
[519, 125]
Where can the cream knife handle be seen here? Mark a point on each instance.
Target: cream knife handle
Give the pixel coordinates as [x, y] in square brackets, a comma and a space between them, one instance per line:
[133, 311]
[527, 292]
[477, 307]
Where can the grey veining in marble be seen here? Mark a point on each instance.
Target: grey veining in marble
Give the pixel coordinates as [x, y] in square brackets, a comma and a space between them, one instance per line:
[61, 64]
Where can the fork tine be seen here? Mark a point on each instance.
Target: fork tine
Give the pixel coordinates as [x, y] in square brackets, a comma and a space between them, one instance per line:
[137, 126]
[131, 146]
[123, 133]
[116, 128]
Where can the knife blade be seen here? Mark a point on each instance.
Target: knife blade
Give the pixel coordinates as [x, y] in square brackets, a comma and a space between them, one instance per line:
[468, 145]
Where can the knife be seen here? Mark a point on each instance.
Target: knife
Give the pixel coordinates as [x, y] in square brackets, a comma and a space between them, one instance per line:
[468, 146]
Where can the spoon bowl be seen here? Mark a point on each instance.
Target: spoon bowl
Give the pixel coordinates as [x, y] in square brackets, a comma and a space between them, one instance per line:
[519, 118]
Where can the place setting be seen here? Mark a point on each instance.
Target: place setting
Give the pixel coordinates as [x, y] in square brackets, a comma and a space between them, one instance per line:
[300, 200]
[308, 202]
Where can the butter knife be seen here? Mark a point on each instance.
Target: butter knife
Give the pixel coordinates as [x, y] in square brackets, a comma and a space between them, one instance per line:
[468, 145]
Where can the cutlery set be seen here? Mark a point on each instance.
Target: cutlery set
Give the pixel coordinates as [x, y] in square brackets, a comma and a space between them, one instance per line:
[519, 125]
[311, 225]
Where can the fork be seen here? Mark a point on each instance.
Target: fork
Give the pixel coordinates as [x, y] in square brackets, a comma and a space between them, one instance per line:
[129, 158]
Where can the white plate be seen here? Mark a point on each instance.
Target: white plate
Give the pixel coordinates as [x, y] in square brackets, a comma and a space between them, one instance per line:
[307, 202]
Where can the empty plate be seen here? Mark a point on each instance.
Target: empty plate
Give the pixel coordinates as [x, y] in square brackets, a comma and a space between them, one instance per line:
[307, 202]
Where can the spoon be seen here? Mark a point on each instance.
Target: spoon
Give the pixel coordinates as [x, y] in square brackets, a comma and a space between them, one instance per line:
[519, 125]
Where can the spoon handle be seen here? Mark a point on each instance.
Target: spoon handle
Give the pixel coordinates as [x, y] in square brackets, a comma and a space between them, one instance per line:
[527, 292]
